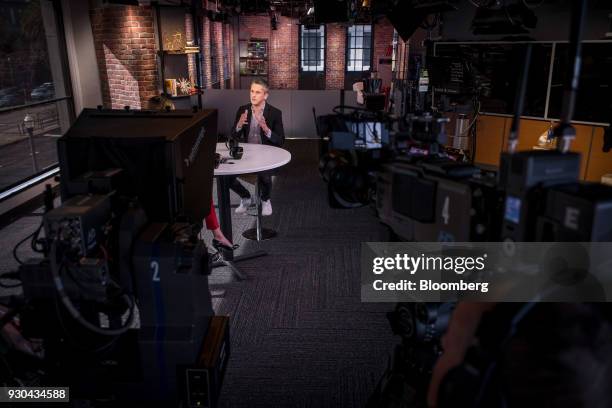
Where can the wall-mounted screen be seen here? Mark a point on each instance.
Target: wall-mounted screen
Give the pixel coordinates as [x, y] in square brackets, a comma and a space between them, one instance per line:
[594, 97]
[492, 71]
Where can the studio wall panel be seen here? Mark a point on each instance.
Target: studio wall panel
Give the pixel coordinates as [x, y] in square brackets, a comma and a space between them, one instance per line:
[489, 139]
[600, 162]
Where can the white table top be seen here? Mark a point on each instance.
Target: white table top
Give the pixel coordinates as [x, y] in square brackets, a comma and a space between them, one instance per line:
[255, 158]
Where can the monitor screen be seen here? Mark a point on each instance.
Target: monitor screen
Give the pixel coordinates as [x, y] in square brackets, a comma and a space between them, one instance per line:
[166, 158]
[369, 135]
[492, 71]
[594, 97]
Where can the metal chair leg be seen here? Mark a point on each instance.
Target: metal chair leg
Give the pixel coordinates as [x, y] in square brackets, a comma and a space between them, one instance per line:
[258, 233]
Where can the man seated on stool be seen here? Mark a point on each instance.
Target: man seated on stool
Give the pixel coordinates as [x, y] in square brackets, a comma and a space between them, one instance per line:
[258, 122]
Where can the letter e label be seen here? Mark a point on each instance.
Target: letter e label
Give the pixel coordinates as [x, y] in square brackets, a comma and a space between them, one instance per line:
[571, 218]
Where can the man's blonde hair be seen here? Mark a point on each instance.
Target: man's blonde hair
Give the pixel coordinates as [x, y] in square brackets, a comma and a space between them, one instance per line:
[261, 82]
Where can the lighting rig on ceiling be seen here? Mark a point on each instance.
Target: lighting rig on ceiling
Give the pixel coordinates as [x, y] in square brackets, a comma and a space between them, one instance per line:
[504, 16]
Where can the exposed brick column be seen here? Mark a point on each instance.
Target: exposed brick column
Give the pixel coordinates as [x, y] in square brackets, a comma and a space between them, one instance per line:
[283, 55]
[191, 58]
[335, 56]
[383, 41]
[227, 52]
[230, 53]
[205, 47]
[125, 50]
[218, 39]
[401, 58]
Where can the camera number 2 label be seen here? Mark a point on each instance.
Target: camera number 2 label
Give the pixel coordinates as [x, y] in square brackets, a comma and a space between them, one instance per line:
[155, 271]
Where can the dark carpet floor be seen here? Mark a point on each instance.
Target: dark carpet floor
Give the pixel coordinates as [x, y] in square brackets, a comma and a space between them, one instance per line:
[300, 335]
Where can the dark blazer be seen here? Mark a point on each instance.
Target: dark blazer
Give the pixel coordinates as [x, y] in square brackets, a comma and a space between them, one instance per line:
[274, 120]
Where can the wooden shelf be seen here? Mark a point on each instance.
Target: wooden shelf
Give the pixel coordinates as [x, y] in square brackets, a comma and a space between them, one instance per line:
[173, 50]
[253, 57]
[167, 52]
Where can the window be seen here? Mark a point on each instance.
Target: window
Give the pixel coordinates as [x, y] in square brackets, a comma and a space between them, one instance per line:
[359, 48]
[33, 85]
[312, 49]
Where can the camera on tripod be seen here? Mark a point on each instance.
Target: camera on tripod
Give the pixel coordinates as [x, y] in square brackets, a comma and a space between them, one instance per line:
[120, 301]
[353, 143]
[535, 196]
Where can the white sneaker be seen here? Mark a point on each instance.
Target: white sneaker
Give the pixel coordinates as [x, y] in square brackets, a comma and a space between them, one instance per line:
[266, 207]
[245, 203]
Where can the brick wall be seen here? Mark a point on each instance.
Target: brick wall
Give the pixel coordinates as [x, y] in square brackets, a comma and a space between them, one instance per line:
[401, 58]
[383, 49]
[283, 53]
[284, 59]
[383, 41]
[125, 49]
[335, 56]
[282, 47]
[191, 58]
[230, 52]
[218, 39]
[254, 27]
[205, 50]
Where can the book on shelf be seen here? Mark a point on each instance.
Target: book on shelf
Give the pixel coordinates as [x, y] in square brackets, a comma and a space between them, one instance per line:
[170, 85]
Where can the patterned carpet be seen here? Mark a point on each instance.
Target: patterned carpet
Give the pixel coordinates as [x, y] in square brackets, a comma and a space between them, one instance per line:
[300, 335]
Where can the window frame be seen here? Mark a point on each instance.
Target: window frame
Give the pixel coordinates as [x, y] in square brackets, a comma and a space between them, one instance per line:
[322, 50]
[350, 68]
[44, 174]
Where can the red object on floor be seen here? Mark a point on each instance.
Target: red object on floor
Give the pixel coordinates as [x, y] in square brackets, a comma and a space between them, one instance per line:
[212, 223]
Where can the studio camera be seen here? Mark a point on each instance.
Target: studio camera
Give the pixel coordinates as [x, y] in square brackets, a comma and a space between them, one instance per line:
[353, 143]
[118, 306]
[535, 196]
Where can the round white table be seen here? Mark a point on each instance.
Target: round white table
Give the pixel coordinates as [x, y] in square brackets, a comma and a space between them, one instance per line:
[255, 158]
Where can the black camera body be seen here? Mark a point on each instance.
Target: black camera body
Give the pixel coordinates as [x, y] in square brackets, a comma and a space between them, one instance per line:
[579, 212]
[439, 200]
[525, 177]
[109, 256]
[354, 143]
